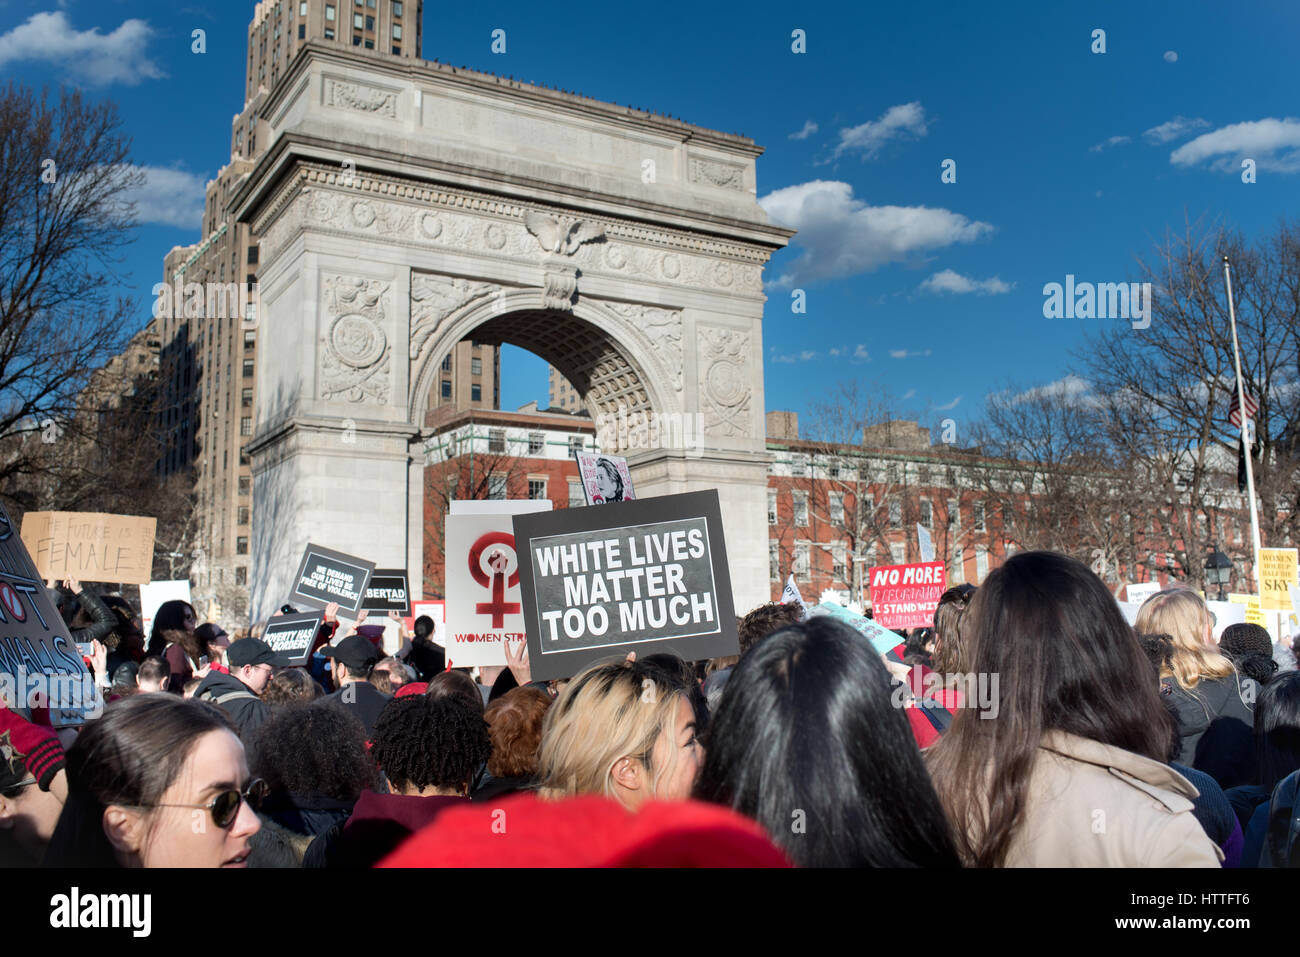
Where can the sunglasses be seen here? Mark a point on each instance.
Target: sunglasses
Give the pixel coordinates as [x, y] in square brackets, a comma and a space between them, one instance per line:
[224, 808]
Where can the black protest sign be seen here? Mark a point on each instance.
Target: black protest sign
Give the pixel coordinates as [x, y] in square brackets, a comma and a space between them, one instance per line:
[646, 576]
[40, 666]
[326, 575]
[387, 592]
[293, 635]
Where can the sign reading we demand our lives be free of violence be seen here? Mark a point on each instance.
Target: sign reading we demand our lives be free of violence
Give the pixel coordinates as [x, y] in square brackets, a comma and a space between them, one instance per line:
[646, 576]
[906, 596]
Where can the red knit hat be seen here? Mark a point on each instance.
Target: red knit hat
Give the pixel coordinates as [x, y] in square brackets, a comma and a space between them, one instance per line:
[411, 688]
[589, 831]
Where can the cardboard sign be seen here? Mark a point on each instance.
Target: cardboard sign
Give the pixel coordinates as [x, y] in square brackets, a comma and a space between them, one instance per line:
[906, 596]
[387, 592]
[40, 666]
[437, 610]
[1277, 573]
[293, 635]
[326, 576]
[605, 478]
[154, 594]
[648, 576]
[925, 542]
[91, 546]
[1140, 592]
[483, 600]
[1253, 614]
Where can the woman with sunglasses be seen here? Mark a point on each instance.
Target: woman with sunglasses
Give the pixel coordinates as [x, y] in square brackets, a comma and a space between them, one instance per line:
[157, 782]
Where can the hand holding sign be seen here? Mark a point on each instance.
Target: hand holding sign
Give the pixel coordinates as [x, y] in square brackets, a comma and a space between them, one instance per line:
[517, 662]
[331, 611]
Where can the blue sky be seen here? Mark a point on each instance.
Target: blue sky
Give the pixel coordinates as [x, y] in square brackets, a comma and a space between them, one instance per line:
[1067, 161]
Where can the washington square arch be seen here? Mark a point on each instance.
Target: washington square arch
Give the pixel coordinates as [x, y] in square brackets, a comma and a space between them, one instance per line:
[404, 206]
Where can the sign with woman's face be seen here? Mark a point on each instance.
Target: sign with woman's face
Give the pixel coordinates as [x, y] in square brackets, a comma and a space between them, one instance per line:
[605, 478]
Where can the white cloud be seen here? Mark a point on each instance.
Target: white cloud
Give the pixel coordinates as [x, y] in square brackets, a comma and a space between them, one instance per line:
[898, 122]
[861, 353]
[948, 406]
[96, 58]
[1171, 56]
[1273, 144]
[169, 197]
[809, 128]
[905, 354]
[909, 394]
[807, 355]
[948, 281]
[1175, 129]
[842, 236]
[1113, 141]
[1071, 388]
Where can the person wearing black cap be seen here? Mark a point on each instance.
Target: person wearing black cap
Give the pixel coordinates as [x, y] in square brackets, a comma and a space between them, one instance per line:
[354, 658]
[252, 663]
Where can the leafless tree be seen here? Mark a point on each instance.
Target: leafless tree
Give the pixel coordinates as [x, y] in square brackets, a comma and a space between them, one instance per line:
[64, 219]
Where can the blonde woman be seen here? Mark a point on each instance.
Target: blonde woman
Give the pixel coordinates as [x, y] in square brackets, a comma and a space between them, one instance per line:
[1214, 704]
[624, 730]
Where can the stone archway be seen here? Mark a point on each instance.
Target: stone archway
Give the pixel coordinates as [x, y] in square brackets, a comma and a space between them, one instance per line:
[388, 235]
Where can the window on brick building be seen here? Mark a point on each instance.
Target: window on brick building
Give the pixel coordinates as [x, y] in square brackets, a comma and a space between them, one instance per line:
[576, 498]
[496, 440]
[536, 488]
[800, 509]
[802, 553]
[536, 443]
[241, 545]
[771, 508]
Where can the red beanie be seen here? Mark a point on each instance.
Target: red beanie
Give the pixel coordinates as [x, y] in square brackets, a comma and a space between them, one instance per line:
[37, 747]
[588, 831]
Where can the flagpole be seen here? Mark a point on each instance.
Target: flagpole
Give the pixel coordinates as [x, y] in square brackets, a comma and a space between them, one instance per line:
[1241, 408]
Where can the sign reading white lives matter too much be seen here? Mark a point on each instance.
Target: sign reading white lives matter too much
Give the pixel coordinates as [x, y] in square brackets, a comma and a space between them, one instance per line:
[293, 635]
[647, 576]
[387, 592]
[39, 663]
[326, 576]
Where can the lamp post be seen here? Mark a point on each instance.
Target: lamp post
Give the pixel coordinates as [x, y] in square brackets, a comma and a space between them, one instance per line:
[1218, 568]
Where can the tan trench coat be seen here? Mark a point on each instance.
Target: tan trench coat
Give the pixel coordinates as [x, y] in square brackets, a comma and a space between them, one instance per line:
[1092, 805]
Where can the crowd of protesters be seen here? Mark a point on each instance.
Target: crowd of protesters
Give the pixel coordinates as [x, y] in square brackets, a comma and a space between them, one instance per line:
[1155, 745]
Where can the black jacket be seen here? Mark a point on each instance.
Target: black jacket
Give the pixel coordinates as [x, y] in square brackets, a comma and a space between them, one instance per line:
[246, 710]
[364, 700]
[1218, 727]
[102, 619]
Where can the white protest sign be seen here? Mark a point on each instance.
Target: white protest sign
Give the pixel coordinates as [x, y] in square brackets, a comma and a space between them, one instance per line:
[154, 594]
[1225, 613]
[790, 595]
[1140, 592]
[1130, 610]
[483, 602]
[926, 542]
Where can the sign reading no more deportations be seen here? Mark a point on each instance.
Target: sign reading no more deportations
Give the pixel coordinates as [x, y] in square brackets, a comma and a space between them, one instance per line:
[647, 576]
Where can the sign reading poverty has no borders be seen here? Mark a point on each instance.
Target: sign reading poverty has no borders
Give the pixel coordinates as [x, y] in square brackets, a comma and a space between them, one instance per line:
[292, 635]
[648, 576]
[325, 576]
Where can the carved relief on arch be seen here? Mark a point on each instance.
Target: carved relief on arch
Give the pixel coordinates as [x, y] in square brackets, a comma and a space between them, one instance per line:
[726, 389]
[434, 298]
[662, 328]
[356, 355]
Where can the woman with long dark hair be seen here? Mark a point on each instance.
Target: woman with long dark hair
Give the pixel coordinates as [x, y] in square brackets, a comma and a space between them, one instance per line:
[173, 638]
[157, 782]
[1070, 770]
[807, 741]
[1277, 754]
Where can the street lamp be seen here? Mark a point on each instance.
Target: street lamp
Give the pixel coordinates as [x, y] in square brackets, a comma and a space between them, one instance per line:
[1218, 567]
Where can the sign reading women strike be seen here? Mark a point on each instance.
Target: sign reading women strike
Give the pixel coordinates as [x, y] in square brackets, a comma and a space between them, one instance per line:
[906, 596]
[647, 576]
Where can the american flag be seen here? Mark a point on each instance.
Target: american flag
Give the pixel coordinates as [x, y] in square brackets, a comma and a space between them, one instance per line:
[1234, 410]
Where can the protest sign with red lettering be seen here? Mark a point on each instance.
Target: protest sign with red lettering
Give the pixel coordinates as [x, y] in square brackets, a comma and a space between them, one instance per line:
[906, 596]
[483, 600]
